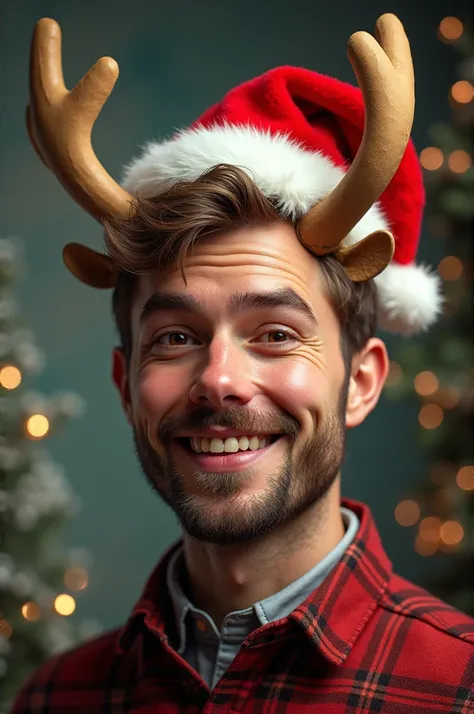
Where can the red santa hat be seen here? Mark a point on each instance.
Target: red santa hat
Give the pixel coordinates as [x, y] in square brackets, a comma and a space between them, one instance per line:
[296, 132]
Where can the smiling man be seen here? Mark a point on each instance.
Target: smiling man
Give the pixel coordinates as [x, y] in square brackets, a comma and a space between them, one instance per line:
[251, 260]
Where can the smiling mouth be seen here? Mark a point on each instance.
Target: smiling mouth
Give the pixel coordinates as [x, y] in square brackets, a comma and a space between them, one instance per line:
[230, 445]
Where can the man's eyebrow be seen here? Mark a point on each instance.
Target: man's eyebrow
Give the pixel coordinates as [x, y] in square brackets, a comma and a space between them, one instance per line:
[283, 297]
[168, 302]
[237, 303]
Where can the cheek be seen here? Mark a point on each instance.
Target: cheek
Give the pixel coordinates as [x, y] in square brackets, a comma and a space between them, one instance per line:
[299, 388]
[154, 391]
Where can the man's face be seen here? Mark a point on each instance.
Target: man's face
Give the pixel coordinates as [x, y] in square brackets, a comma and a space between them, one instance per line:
[236, 349]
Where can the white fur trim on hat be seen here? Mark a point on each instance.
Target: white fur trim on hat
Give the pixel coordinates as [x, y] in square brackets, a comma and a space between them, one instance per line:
[295, 179]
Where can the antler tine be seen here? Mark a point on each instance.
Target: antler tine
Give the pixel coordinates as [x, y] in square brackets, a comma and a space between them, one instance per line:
[61, 122]
[385, 75]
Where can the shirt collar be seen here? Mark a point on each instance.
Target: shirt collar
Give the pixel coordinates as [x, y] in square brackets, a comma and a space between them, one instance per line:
[331, 616]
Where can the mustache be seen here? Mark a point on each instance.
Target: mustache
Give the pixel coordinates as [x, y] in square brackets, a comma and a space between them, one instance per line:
[230, 418]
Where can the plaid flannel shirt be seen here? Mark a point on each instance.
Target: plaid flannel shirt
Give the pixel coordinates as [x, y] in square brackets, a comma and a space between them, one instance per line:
[365, 640]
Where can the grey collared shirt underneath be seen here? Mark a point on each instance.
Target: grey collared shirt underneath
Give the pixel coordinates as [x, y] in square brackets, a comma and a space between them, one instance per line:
[209, 651]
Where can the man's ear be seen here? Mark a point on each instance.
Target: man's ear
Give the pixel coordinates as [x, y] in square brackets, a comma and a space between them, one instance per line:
[368, 374]
[120, 378]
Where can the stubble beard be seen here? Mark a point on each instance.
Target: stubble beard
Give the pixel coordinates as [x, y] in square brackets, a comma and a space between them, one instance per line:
[303, 479]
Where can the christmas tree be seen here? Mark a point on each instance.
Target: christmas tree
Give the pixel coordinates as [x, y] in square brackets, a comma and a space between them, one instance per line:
[437, 369]
[36, 575]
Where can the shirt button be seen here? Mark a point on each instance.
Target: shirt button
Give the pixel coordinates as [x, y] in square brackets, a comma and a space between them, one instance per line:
[201, 625]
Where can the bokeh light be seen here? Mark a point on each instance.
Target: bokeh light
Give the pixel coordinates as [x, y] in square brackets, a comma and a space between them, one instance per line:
[459, 161]
[426, 383]
[76, 578]
[450, 29]
[462, 92]
[5, 629]
[10, 377]
[64, 604]
[448, 397]
[407, 513]
[450, 268]
[431, 158]
[31, 611]
[451, 533]
[465, 478]
[37, 426]
[430, 416]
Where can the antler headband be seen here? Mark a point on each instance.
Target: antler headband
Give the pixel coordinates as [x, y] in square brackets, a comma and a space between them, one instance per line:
[60, 124]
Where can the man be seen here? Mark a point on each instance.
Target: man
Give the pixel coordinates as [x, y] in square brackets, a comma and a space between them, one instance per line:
[249, 266]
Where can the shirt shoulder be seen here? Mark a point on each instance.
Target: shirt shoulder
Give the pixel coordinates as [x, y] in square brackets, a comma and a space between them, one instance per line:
[437, 620]
[83, 670]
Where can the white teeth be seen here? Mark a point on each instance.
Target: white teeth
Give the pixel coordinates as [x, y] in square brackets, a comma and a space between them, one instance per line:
[243, 443]
[254, 443]
[231, 445]
[217, 446]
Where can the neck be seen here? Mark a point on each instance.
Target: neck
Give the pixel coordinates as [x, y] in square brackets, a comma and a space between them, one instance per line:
[222, 579]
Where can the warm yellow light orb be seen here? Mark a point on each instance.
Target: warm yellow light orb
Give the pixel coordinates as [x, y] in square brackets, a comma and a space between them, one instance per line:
[425, 547]
[37, 426]
[426, 383]
[31, 611]
[10, 377]
[450, 268]
[430, 416]
[462, 91]
[76, 578]
[64, 604]
[451, 533]
[450, 29]
[465, 478]
[5, 629]
[407, 513]
[459, 161]
[431, 158]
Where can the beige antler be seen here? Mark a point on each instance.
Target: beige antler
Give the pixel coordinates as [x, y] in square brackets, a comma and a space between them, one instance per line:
[385, 75]
[60, 123]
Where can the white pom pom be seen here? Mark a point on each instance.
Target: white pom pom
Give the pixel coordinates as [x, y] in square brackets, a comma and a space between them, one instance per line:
[410, 298]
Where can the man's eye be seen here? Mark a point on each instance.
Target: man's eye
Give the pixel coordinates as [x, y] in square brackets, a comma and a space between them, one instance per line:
[278, 337]
[173, 338]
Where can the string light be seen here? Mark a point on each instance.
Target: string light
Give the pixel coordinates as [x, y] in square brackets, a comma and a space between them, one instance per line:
[31, 611]
[459, 161]
[407, 513]
[465, 478]
[394, 375]
[451, 533]
[6, 629]
[450, 29]
[431, 158]
[76, 578]
[426, 383]
[37, 426]
[462, 91]
[430, 416]
[450, 268]
[64, 604]
[10, 377]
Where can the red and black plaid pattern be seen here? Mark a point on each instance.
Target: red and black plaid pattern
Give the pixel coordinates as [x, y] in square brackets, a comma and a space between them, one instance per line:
[366, 640]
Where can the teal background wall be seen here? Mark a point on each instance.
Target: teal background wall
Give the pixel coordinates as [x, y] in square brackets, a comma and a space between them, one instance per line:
[175, 59]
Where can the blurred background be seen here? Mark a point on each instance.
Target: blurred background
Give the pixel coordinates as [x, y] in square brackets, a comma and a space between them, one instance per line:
[175, 60]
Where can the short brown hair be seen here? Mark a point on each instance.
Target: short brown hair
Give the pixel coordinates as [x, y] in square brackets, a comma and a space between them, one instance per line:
[163, 229]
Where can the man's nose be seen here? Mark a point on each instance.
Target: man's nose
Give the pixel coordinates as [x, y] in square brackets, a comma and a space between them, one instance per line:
[224, 379]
